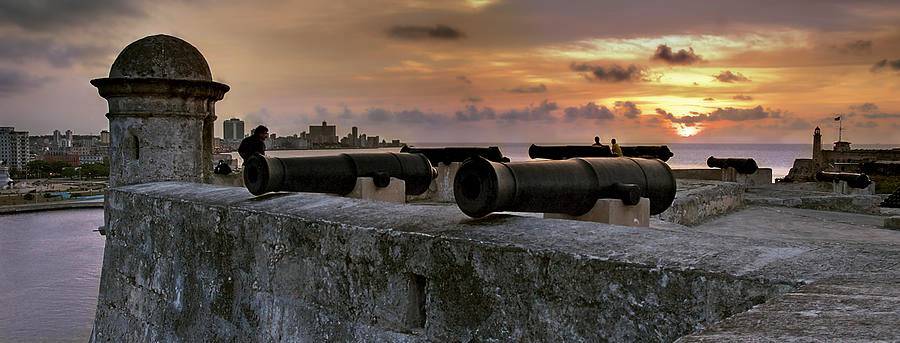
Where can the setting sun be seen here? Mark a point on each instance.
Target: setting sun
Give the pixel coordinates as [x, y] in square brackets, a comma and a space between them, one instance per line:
[686, 131]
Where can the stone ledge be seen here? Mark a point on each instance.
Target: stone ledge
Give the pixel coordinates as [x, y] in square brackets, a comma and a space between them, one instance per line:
[699, 201]
[189, 261]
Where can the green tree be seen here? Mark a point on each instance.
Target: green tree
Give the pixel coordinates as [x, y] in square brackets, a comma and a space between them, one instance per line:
[69, 172]
[56, 167]
[38, 168]
[95, 170]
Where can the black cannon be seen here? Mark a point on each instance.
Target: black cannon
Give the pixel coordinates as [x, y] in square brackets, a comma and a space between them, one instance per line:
[570, 186]
[661, 152]
[854, 180]
[447, 155]
[741, 165]
[562, 152]
[336, 174]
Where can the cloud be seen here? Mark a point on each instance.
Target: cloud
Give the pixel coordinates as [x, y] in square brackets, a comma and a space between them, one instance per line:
[682, 57]
[729, 77]
[414, 32]
[882, 115]
[742, 97]
[473, 98]
[260, 117]
[864, 107]
[473, 113]
[53, 15]
[721, 114]
[626, 109]
[709, 99]
[20, 49]
[867, 124]
[14, 82]
[464, 79]
[544, 111]
[612, 73]
[415, 116]
[856, 47]
[588, 111]
[885, 64]
[528, 89]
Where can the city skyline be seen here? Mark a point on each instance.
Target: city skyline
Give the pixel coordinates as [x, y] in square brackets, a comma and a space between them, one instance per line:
[488, 71]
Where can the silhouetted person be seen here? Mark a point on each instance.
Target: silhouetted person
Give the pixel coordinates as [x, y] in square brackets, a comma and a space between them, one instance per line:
[616, 149]
[597, 141]
[255, 143]
[222, 168]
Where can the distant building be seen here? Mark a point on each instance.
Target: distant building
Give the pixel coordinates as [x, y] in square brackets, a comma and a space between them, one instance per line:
[14, 147]
[104, 137]
[840, 158]
[57, 139]
[69, 139]
[233, 130]
[325, 134]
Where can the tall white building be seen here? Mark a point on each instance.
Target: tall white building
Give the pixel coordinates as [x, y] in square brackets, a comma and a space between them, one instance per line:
[69, 139]
[233, 130]
[57, 139]
[14, 147]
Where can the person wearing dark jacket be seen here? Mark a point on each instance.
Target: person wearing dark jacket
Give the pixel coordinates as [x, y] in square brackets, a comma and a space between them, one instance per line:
[255, 143]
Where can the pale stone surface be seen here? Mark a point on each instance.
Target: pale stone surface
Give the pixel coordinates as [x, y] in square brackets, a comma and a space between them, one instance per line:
[762, 176]
[365, 189]
[791, 196]
[441, 188]
[612, 211]
[698, 201]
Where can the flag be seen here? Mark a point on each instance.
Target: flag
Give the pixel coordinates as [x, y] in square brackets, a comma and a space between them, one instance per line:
[838, 118]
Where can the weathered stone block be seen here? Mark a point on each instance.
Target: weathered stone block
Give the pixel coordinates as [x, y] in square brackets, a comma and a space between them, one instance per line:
[365, 189]
[612, 211]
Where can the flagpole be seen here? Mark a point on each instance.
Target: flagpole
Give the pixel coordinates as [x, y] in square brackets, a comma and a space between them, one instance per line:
[840, 128]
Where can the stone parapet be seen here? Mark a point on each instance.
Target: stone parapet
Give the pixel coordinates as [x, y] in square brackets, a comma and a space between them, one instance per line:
[193, 262]
[698, 201]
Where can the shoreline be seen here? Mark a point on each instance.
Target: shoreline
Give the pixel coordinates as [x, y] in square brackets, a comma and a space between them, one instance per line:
[49, 206]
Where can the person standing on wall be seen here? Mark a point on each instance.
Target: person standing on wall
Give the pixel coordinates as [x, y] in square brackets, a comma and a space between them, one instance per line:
[616, 149]
[255, 143]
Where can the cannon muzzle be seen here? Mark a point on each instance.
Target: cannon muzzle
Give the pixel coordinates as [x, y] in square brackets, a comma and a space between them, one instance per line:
[447, 155]
[741, 165]
[336, 174]
[854, 180]
[570, 186]
[562, 152]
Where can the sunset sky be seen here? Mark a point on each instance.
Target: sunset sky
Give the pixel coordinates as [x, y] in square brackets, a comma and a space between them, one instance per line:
[483, 70]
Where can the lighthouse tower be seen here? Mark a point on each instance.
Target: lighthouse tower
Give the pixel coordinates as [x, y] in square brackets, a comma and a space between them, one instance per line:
[817, 148]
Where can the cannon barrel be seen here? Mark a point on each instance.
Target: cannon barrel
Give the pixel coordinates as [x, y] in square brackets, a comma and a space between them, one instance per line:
[447, 155]
[854, 180]
[336, 174]
[741, 165]
[661, 152]
[570, 186]
[562, 152]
